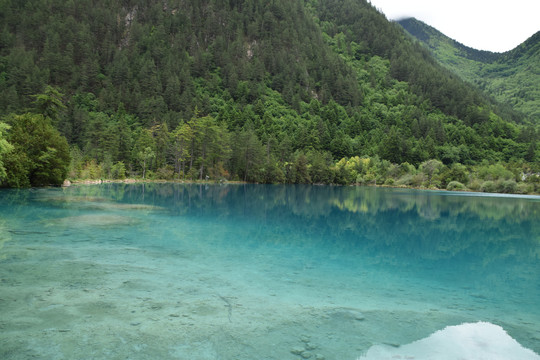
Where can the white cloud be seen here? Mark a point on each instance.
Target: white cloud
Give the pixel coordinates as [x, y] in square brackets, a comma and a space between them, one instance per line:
[493, 25]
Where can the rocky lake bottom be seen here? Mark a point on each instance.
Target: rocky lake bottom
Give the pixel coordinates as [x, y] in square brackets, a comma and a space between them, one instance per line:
[92, 277]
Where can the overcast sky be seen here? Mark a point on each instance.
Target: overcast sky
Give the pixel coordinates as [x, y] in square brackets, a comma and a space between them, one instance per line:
[495, 25]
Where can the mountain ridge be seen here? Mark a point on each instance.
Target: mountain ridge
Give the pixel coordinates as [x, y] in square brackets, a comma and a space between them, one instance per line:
[425, 32]
[512, 77]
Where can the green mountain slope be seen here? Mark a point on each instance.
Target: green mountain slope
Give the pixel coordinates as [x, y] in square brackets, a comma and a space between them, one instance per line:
[512, 77]
[261, 91]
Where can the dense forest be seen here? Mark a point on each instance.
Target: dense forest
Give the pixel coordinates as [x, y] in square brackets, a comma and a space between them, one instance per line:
[282, 91]
[512, 77]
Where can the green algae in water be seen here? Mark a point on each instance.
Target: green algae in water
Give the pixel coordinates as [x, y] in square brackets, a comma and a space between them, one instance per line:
[263, 272]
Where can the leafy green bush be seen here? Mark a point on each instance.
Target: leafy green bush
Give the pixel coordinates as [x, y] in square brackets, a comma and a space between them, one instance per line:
[150, 175]
[475, 185]
[495, 172]
[414, 180]
[488, 186]
[165, 173]
[523, 188]
[39, 155]
[91, 171]
[405, 180]
[507, 186]
[455, 185]
[118, 171]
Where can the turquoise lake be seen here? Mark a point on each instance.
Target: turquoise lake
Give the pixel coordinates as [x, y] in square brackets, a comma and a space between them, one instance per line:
[176, 271]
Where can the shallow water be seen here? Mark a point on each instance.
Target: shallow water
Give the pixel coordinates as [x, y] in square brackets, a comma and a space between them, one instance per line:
[173, 271]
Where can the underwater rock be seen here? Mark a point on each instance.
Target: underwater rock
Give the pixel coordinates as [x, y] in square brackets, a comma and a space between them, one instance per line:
[347, 314]
[297, 350]
[62, 198]
[305, 338]
[479, 341]
[94, 203]
[27, 232]
[122, 206]
[94, 220]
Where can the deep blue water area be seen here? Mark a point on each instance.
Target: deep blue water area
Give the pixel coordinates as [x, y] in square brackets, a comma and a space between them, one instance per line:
[178, 271]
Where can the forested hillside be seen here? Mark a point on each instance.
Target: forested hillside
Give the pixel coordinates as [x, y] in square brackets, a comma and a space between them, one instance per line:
[512, 77]
[291, 91]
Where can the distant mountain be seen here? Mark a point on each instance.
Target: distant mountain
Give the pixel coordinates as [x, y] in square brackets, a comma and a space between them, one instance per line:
[512, 77]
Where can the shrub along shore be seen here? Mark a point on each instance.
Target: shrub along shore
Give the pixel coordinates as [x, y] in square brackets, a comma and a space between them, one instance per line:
[368, 171]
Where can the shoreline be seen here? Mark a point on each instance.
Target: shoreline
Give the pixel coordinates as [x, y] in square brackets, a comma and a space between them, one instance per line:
[68, 183]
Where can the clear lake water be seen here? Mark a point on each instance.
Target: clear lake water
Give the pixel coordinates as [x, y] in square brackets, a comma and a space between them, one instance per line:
[187, 271]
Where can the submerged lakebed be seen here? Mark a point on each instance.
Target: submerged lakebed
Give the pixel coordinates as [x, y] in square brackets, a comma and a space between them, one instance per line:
[177, 271]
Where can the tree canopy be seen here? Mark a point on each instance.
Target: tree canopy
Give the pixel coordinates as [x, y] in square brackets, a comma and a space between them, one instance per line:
[5, 148]
[280, 91]
[40, 154]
